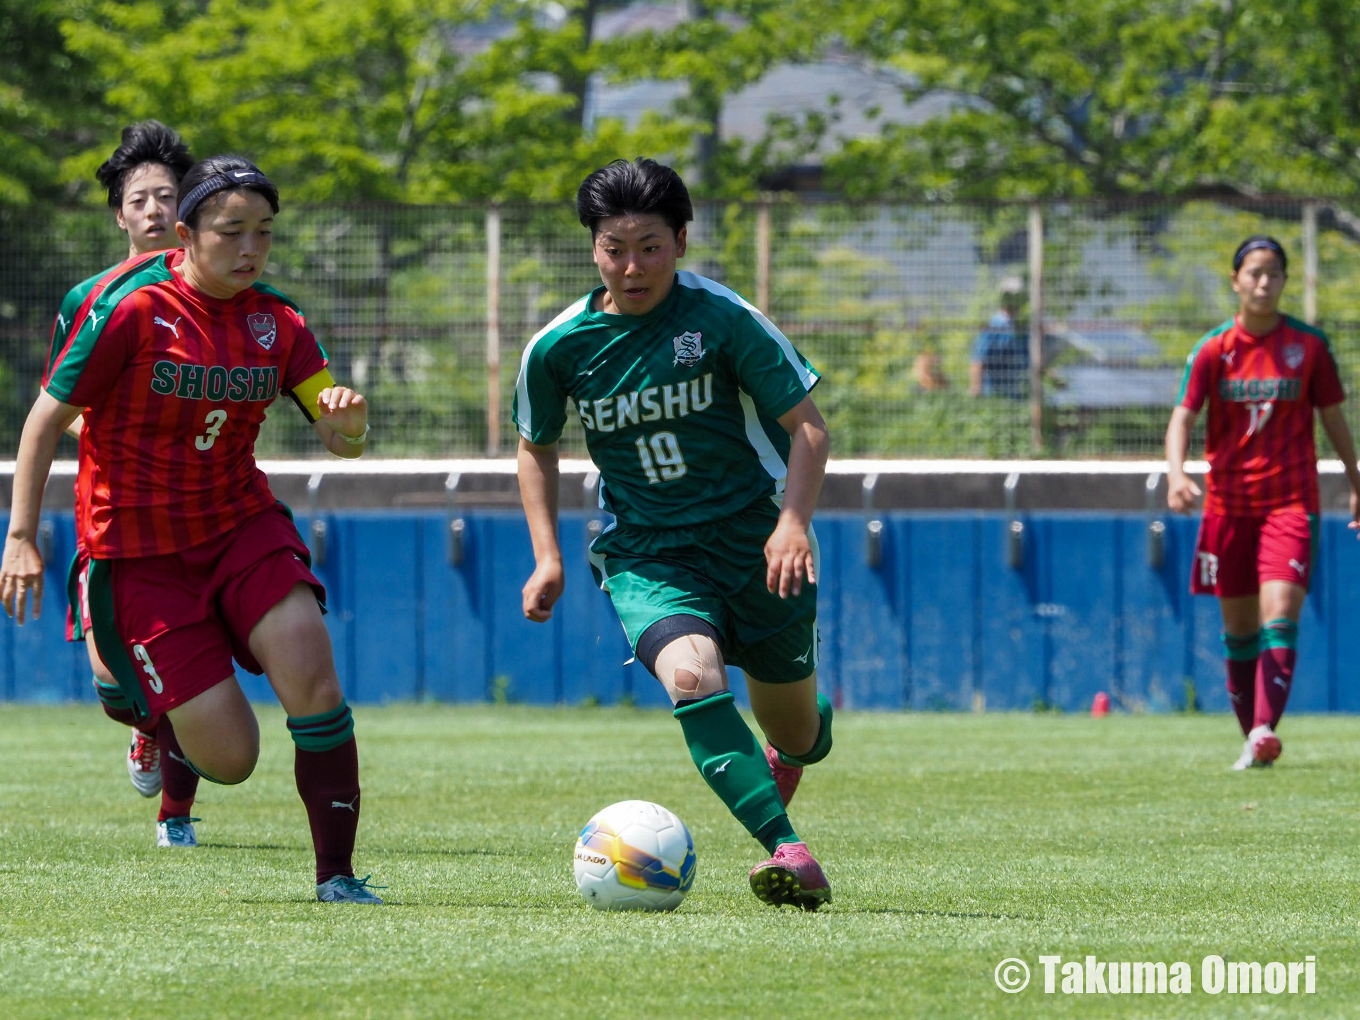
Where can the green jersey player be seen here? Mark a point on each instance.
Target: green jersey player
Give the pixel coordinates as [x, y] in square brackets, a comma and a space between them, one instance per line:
[711, 456]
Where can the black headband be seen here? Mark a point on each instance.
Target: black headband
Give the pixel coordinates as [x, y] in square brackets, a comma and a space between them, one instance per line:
[1253, 244]
[220, 182]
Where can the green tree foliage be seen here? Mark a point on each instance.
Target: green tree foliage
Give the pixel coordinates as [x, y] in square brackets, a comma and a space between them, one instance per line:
[50, 102]
[1052, 97]
[403, 100]
[1296, 126]
[720, 49]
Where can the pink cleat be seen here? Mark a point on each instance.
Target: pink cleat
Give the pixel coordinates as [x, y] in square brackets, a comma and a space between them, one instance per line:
[785, 776]
[1265, 746]
[791, 876]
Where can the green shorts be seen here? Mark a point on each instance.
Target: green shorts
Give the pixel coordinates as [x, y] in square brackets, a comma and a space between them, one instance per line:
[716, 572]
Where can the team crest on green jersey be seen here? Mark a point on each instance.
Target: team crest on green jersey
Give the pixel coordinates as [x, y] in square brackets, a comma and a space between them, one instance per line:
[1293, 355]
[689, 348]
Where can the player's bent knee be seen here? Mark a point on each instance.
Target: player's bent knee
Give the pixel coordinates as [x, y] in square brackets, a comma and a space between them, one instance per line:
[226, 766]
[691, 667]
[684, 652]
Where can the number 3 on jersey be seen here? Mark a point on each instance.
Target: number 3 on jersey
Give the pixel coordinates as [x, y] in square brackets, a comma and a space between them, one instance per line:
[213, 423]
[661, 449]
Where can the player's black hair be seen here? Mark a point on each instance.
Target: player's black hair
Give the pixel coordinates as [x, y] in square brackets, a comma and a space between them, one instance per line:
[642, 186]
[221, 173]
[1256, 241]
[148, 141]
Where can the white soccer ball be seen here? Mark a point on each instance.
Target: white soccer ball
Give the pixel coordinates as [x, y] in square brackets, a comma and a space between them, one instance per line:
[634, 855]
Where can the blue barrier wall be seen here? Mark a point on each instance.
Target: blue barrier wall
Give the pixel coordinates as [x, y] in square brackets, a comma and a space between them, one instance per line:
[940, 623]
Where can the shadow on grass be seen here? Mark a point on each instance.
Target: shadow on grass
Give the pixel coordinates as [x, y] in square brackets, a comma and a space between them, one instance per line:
[953, 914]
[437, 852]
[248, 846]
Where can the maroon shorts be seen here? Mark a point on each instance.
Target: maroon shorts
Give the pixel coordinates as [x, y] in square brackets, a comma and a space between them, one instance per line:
[1235, 555]
[78, 596]
[182, 617]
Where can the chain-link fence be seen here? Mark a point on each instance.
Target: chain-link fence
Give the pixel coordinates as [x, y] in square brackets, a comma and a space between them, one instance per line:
[920, 317]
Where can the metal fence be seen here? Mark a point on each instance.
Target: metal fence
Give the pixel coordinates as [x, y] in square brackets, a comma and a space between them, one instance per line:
[426, 310]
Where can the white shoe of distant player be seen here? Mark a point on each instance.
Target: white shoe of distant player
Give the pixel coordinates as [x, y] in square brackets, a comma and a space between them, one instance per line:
[1265, 746]
[1246, 760]
[144, 763]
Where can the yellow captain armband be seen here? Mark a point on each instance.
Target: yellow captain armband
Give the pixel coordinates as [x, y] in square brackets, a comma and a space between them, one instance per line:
[306, 392]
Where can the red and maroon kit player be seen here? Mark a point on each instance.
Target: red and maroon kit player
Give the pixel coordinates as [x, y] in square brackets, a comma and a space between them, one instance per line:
[1262, 375]
[141, 180]
[192, 560]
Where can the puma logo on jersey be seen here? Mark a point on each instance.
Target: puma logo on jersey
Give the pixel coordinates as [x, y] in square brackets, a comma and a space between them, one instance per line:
[61, 322]
[1302, 568]
[173, 327]
[1227, 357]
[1282, 682]
[343, 804]
[94, 319]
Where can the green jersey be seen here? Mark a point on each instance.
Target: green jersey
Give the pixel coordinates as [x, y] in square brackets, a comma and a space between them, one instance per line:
[679, 405]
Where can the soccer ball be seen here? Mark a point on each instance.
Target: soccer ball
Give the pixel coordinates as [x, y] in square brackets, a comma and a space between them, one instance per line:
[634, 855]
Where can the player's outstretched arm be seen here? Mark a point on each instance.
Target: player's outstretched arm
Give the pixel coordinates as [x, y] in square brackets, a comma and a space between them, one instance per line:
[1181, 492]
[342, 421]
[788, 553]
[537, 469]
[1339, 434]
[21, 570]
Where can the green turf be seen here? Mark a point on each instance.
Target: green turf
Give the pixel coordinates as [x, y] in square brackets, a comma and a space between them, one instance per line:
[951, 841]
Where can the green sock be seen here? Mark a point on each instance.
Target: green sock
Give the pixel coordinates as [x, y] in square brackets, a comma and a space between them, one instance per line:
[732, 763]
[822, 747]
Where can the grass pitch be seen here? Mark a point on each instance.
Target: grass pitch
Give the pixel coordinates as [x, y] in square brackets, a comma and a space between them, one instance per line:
[952, 842]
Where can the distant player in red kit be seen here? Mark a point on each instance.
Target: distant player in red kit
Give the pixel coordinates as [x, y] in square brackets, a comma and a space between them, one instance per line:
[175, 357]
[1263, 374]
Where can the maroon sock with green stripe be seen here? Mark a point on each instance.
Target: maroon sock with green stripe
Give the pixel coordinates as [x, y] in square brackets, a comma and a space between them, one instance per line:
[1241, 652]
[326, 767]
[179, 783]
[1275, 670]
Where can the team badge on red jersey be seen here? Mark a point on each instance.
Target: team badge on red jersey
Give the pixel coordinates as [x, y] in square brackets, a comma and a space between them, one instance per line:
[1293, 355]
[689, 348]
[262, 328]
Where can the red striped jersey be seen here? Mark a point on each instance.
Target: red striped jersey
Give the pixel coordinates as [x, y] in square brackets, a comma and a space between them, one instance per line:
[1261, 393]
[67, 316]
[175, 384]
